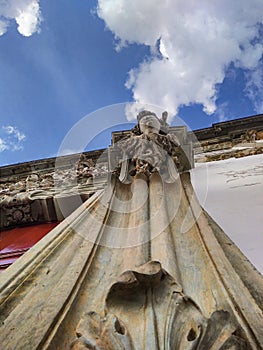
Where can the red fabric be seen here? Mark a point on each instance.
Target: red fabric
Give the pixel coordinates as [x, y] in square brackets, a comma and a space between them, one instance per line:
[14, 243]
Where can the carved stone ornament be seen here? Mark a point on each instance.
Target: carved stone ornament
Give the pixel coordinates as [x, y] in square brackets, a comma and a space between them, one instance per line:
[156, 312]
[16, 210]
[29, 198]
[148, 149]
[138, 266]
[102, 333]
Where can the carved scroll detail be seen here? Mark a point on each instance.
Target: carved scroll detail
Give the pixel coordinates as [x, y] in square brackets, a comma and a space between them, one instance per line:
[108, 333]
[184, 327]
[188, 329]
[174, 319]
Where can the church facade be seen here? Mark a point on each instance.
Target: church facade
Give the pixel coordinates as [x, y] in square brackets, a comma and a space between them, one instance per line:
[131, 260]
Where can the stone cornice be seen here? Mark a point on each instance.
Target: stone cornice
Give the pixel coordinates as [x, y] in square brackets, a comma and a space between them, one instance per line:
[29, 191]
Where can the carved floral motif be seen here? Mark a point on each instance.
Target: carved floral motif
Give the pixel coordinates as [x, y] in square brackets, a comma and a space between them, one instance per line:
[102, 333]
[167, 317]
[16, 209]
[183, 325]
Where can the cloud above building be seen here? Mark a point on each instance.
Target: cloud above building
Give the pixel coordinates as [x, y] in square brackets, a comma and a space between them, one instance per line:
[11, 139]
[192, 44]
[26, 14]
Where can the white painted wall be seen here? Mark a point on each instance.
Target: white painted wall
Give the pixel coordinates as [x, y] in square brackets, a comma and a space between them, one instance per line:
[232, 192]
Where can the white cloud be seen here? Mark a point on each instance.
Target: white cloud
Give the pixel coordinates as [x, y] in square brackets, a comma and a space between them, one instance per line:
[220, 112]
[3, 26]
[11, 138]
[26, 13]
[197, 40]
[254, 88]
[3, 145]
[11, 130]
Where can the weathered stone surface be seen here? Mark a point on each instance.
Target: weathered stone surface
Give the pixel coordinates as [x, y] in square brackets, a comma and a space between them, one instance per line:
[150, 148]
[173, 259]
[138, 266]
[31, 197]
[107, 333]
[246, 150]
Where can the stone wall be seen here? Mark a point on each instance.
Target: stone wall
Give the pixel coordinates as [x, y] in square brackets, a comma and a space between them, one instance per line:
[29, 192]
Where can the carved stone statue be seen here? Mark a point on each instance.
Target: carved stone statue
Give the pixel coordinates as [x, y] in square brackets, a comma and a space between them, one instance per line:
[148, 149]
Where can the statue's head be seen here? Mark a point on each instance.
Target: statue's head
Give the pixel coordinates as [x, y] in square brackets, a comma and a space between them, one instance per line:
[148, 122]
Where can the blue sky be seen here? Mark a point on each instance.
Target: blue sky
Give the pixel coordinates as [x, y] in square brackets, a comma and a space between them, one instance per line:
[60, 61]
